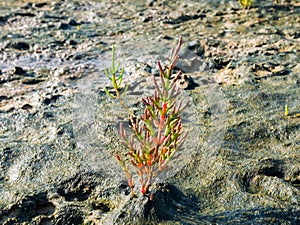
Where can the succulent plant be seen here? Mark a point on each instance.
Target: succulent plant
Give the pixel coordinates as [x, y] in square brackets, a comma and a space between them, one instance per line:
[157, 134]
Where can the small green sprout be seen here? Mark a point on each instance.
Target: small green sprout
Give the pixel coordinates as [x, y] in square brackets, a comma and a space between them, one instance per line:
[245, 3]
[115, 75]
[286, 113]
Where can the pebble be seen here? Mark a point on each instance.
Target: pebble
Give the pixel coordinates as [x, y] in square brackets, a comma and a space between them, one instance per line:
[196, 47]
[63, 26]
[19, 71]
[21, 45]
[32, 81]
[72, 22]
[71, 42]
[39, 5]
[27, 107]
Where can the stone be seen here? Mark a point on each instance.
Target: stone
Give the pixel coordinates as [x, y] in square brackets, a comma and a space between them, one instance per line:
[19, 71]
[21, 45]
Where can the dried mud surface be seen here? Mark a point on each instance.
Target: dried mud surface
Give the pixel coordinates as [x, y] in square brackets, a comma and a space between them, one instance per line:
[240, 163]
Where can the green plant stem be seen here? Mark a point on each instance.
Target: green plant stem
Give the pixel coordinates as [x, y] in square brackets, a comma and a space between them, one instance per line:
[157, 133]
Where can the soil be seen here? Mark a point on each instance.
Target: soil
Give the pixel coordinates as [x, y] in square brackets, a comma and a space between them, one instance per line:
[58, 129]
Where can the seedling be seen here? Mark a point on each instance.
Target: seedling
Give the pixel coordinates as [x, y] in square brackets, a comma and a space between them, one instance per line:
[286, 111]
[246, 4]
[115, 75]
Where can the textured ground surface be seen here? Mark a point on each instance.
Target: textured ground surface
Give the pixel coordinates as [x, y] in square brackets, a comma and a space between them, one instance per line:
[240, 163]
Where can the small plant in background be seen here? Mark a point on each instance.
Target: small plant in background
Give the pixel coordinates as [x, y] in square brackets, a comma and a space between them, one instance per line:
[277, 1]
[115, 75]
[289, 115]
[157, 134]
[286, 110]
[246, 4]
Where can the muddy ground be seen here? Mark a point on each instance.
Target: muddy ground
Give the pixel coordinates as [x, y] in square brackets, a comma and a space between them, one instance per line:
[240, 162]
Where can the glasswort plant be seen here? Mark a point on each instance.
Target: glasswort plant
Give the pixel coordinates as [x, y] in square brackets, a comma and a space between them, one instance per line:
[157, 134]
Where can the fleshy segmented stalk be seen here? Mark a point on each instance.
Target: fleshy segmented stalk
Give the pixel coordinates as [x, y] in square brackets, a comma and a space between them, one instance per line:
[157, 134]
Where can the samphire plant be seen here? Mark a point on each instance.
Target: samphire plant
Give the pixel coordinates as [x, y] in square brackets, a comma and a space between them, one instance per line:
[156, 135]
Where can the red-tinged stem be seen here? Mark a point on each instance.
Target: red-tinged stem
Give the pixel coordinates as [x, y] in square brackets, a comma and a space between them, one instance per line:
[157, 133]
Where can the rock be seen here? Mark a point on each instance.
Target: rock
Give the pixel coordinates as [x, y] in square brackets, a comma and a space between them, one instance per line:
[19, 71]
[3, 97]
[48, 114]
[3, 19]
[39, 5]
[276, 188]
[186, 82]
[167, 203]
[196, 47]
[71, 42]
[21, 45]
[52, 99]
[69, 215]
[32, 81]
[26, 107]
[63, 26]
[31, 207]
[27, 6]
[72, 22]
[166, 37]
